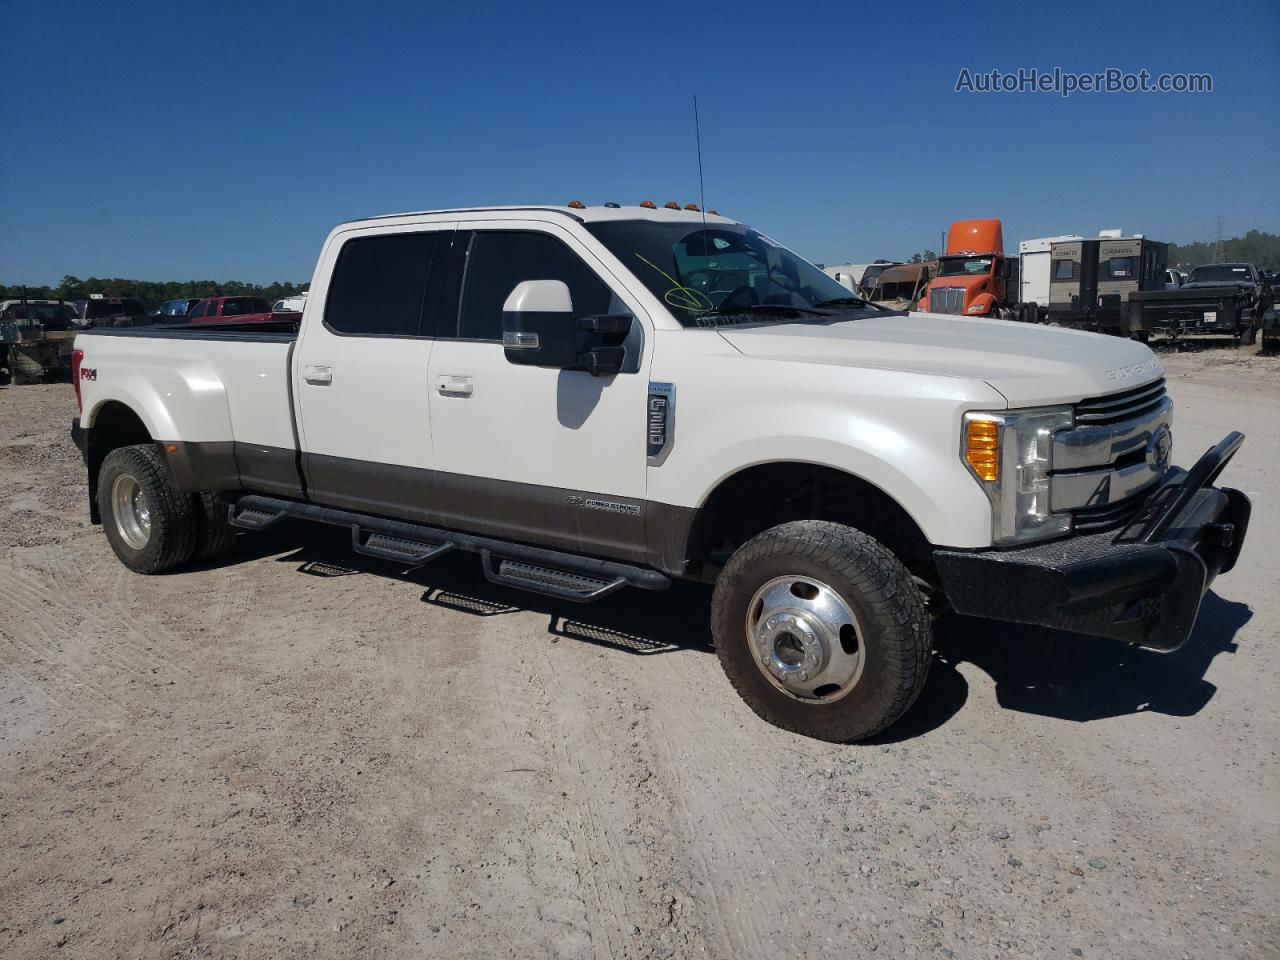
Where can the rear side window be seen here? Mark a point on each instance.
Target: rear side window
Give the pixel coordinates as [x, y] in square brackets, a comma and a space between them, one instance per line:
[378, 285]
[499, 259]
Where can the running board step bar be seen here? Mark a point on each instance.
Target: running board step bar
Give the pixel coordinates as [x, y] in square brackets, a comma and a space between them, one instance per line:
[564, 576]
[251, 518]
[397, 549]
[546, 581]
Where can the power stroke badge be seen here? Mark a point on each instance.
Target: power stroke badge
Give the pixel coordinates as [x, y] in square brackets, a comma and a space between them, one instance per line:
[660, 412]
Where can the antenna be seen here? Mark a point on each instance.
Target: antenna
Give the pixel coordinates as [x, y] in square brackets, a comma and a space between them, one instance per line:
[702, 192]
[1219, 253]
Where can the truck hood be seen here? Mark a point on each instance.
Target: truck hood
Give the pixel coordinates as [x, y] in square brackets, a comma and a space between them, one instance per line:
[1031, 365]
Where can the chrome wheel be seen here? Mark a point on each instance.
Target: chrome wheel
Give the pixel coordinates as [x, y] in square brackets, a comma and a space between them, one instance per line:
[131, 512]
[805, 638]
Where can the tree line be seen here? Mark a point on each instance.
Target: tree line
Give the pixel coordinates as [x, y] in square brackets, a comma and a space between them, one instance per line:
[1256, 247]
[151, 292]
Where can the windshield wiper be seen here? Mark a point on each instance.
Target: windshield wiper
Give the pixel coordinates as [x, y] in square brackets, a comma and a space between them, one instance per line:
[842, 302]
[775, 309]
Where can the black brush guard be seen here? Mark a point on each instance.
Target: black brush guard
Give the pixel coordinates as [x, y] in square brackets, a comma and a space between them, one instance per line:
[1143, 585]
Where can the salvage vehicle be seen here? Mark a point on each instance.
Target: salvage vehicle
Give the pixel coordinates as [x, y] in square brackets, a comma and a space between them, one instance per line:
[974, 278]
[175, 308]
[103, 311]
[901, 287]
[238, 310]
[1230, 298]
[34, 338]
[594, 398]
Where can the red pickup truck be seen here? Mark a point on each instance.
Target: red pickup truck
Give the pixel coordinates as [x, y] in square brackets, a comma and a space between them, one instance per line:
[235, 310]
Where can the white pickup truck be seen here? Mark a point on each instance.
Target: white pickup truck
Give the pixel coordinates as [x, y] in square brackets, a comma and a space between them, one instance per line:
[591, 398]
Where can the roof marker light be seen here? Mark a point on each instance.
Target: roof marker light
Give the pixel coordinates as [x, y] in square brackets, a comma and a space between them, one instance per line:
[577, 205]
[672, 205]
[613, 206]
[649, 205]
[714, 213]
[691, 206]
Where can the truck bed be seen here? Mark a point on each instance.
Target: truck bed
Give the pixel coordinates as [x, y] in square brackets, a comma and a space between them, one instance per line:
[219, 395]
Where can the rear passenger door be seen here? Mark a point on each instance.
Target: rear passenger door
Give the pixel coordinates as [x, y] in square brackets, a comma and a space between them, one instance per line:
[360, 371]
[548, 456]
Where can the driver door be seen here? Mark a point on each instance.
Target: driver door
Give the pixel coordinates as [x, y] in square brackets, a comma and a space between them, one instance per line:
[548, 456]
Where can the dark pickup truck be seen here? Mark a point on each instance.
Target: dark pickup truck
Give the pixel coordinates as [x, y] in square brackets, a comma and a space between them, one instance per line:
[1229, 298]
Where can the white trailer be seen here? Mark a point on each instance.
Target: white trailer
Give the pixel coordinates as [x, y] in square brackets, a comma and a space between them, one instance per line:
[1034, 262]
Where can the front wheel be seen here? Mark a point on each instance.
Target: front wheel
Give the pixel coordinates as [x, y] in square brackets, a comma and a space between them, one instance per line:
[821, 630]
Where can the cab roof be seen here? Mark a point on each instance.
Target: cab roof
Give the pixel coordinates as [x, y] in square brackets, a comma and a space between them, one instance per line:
[585, 214]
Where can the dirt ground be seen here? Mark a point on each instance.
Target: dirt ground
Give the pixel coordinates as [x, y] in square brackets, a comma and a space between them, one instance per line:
[301, 753]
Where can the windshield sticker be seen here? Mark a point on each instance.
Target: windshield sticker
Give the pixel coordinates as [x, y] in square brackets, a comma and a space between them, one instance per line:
[680, 296]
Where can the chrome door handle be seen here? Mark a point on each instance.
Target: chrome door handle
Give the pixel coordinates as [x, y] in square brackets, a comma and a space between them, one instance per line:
[317, 373]
[458, 386]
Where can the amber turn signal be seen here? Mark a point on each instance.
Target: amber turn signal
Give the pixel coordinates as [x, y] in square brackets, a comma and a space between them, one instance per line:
[672, 205]
[982, 448]
[577, 205]
[649, 205]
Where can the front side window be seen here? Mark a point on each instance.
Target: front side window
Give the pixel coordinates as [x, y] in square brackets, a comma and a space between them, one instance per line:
[378, 285]
[498, 260]
[707, 274]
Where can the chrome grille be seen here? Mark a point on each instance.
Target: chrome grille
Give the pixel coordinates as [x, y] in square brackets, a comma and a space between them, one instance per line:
[1119, 407]
[946, 300]
[1107, 464]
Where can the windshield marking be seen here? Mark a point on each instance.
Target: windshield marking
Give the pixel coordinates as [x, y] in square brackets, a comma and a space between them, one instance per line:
[692, 299]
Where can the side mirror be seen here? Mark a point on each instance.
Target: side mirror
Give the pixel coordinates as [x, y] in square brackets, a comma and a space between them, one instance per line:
[539, 329]
[846, 280]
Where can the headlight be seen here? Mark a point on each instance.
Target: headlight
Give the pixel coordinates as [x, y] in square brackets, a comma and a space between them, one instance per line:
[1009, 454]
[977, 307]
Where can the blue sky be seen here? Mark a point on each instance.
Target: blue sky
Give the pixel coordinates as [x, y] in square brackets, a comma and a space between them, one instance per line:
[223, 140]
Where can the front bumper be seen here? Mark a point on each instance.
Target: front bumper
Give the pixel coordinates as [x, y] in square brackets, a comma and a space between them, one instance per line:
[1143, 585]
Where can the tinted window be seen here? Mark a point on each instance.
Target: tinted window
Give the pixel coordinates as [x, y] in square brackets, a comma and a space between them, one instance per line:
[1064, 269]
[243, 306]
[378, 285]
[114, 308]
[498, 260]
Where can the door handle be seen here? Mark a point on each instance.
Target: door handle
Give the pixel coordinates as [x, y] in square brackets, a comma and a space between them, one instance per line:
[317, 373]
[458, 386]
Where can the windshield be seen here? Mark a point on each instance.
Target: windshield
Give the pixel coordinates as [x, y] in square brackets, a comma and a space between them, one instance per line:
[723, 270]
[962, 266]
[1220, 272]
[128, 307]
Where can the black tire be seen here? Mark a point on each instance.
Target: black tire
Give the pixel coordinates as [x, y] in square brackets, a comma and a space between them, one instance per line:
[214, 535]
[893, 622]
[173, 522]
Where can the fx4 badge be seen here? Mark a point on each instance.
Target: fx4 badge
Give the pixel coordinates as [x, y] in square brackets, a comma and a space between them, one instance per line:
[88, 373]
[660, 419]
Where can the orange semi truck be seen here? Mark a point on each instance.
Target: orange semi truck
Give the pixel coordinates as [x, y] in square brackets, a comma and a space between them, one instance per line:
[974, 277]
